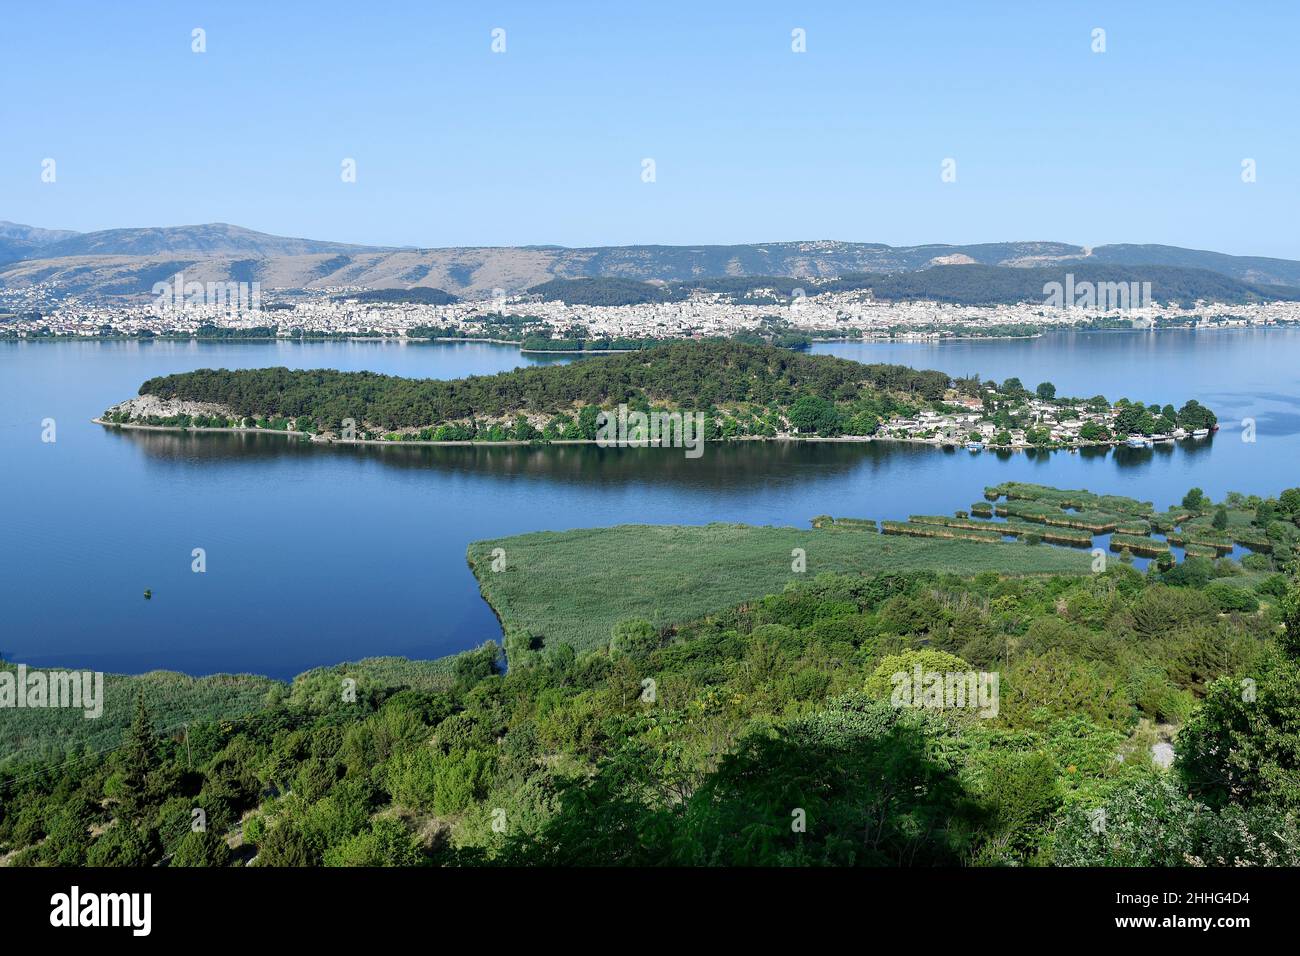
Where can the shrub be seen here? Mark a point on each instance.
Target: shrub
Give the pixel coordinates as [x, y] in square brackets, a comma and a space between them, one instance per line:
[1152, 822]
[1243, 744]
[201, 849]
[124, 845]
[285, 845]
[1257, 562]
[1274, 586]
[1228, 597]
[1159, 610]
[385, 843]
[880, 684]
[634, 637]
[444, 784]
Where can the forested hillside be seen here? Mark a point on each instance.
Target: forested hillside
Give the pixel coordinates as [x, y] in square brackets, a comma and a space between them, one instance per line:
[975, 284]
[994, 285]
[683, 374]
[600, 291]
[420, 295]
[964, 284]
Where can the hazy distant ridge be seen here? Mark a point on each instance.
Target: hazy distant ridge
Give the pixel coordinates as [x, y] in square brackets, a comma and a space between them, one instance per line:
[129, 261]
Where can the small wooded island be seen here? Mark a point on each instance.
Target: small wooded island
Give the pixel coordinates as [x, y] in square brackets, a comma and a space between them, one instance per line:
[737, 390]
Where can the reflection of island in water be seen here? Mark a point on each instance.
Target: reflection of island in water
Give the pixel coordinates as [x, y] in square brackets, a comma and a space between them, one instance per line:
[733, 465]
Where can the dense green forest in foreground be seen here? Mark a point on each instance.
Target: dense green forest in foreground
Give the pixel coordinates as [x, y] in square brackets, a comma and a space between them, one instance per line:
[767, 733]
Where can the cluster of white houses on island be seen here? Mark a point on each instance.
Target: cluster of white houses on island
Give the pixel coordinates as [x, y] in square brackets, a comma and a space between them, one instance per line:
[1054, 424]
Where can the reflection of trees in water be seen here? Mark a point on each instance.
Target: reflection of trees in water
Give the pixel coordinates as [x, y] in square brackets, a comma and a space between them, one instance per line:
[181, 446]
[1192, 446]
[723, 465]
[741, 464]
[1125, 456]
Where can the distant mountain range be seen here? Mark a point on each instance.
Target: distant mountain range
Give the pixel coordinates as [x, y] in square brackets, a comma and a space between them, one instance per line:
[213, 239]
[127, 262]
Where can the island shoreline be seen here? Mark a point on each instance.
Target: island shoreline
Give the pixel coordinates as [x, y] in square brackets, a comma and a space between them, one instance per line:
[514, 442]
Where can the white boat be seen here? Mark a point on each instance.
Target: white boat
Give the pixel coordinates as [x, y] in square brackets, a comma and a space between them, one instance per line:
[1156, 438]
[1201, 433]
[1136, 442]
[974, 446]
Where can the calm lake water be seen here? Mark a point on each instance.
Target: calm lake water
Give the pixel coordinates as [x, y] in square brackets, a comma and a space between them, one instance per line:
[318, 555]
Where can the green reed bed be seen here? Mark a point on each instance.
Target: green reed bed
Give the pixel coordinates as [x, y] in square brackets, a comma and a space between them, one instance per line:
[938, 531]
[1142, 547]
[574, 586]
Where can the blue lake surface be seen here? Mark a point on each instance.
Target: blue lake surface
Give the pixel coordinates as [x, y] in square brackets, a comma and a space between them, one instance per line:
[317, 555]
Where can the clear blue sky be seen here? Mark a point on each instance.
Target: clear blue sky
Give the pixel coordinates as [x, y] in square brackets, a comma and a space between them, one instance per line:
[456, 145]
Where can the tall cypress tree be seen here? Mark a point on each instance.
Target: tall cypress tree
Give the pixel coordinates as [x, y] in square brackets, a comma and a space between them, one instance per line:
[1290, 605]
[141, 758]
